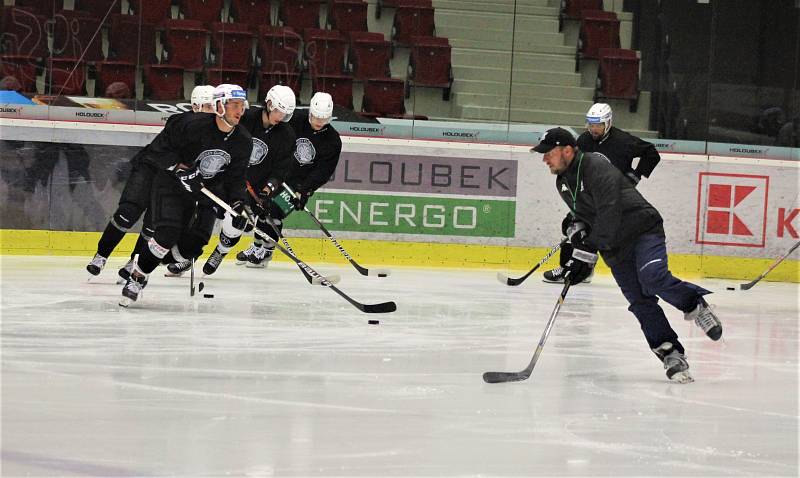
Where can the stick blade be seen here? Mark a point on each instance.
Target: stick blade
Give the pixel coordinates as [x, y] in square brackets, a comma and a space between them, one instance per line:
[747, 286]
[502, 377]
[382, 308]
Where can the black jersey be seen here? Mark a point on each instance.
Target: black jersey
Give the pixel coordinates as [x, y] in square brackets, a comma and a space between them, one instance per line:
[195, 140]
[271, 157]
[141, 155]
[316, 154]
[620, 148]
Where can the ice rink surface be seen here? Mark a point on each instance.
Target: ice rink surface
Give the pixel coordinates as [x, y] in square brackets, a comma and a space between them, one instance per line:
[275, 377]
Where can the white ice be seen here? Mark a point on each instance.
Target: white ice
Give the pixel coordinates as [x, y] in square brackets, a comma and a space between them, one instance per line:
[275, 377]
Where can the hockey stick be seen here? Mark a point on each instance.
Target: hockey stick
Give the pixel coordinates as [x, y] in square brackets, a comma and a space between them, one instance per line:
[362, 270]
[334, 279]
[380, 308]
[753, 282]
[498, 377]
[519, 280]
[191, 280]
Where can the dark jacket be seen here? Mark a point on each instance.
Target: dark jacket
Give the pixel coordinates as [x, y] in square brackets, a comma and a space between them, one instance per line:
[598, 194]
[272, 149]
[620, 148]
[195, 140]
[316, 154]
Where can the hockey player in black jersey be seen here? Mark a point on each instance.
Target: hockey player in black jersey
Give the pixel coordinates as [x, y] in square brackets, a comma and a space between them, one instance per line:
[204, 150]
[316, 154]
[612, 217]
[621, 148]
[136, 194]
[270, 160]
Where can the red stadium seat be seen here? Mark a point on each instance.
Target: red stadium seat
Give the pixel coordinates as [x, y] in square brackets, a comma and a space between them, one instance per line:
[348, 15]
[299, 14]
[206, 11]
[384, 97]
[185, 43]
[65, 76]
[252, 12]
[278, 49]
[324, 51]
[599, 29]
[109, 72]
[21, 67]
[99, 7]
[410, 21]
[369, 55]
[217, 76]
[23, 33]
[46, 8]
[268, 79]
[152, 11]
[573, 8]
[618, 76]
[340, 88]
[77, 35]
[381, 4]
[163, 82]
[131, 41]
[231, 45]
[429, 65]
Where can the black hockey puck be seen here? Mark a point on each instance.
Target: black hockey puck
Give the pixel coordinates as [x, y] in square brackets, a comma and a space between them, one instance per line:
[200, 286]
[381, 275]
[731, 288]
[373, 322]
[208, 296]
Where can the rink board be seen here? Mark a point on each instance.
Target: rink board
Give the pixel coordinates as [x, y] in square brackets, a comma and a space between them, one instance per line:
[415, 202]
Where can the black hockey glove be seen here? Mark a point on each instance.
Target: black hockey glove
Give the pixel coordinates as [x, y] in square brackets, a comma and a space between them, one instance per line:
[239, 222]
[269, 189]
[576, 232]
[580, 265]
[189, 178]
[301, 199]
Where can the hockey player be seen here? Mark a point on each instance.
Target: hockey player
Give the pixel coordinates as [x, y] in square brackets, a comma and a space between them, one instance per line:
[271, 158]
[193, 152]
[316, 153]
[136, 194]
[621, 149]
[611, 216]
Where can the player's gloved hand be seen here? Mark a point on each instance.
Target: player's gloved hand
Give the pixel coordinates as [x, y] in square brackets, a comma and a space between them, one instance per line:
[576, 232]
[634, 178]
[189, 178]
[269, 189]
[580, 265]
[240, 221]
[301, 199]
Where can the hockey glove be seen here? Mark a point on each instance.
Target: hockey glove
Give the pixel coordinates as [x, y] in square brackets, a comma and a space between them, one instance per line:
[579, 267]
[189, 178]
[576, 232]
[301, 199]
[269, 189]
[239, 222]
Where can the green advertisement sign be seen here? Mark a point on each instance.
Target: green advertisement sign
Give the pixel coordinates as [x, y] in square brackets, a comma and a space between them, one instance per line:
[397, 214]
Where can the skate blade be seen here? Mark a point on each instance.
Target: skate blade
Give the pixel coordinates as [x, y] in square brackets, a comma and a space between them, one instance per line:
[250, 265]
[682, 377]
[170, 274]
[126, 302]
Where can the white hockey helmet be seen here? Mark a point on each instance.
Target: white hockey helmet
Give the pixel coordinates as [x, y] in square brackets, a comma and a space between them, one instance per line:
[281, 98]
[321, 105]
[600, 113]
[226, 92]
[202, 95]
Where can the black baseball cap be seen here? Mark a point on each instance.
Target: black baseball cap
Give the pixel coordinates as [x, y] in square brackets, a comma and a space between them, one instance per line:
[554, 137]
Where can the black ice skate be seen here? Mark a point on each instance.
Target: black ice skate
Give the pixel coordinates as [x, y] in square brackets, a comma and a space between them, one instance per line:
[705, 318]
[96, 265]
[133, 289]
[213, 262]
[674, 363]
[125, 271]
[177, 269]
[556, 276]
[255, 256]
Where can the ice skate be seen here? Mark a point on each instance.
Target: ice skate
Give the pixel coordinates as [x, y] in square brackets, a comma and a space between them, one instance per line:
[125, 272]
[133, 289]
[213, 262]
[674, 363]
[255, 256]
[243, 257]
[704, 317]
[176, 269]
[96, 265]
[556, 276]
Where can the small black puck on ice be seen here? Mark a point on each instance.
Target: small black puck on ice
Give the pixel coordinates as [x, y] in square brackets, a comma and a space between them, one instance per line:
[200, 286]
[373, 322]
[381, 275]
[208, 296]
[731, 288]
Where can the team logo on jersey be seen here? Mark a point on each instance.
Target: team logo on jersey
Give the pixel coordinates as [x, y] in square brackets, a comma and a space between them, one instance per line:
[304, 151]
[260, 150]
[212, 161]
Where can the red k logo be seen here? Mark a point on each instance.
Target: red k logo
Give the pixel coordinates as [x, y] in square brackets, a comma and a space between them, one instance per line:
[732, 209]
